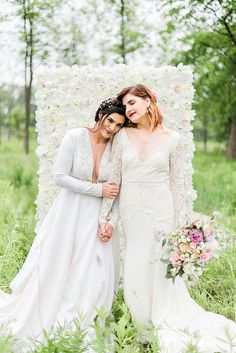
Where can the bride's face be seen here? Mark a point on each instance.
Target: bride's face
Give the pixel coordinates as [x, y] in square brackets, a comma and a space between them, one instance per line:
[111, 125]
[136, 107]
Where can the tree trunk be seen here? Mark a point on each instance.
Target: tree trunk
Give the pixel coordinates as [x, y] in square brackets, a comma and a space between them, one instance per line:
[205, 133]
[231, 148]
[122, 32]
[28, 31]
[27, 117]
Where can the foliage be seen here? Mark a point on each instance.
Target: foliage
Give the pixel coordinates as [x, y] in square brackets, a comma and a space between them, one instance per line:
[129, 34]
[34, 16]
[209, 44]
[11, 112]
[64, 340]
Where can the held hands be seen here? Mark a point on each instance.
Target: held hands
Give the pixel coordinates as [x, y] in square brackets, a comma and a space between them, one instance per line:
[105, 232]
[110, 189]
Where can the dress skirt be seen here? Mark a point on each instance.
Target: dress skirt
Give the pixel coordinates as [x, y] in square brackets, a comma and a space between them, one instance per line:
[68, 273]
[147, 214]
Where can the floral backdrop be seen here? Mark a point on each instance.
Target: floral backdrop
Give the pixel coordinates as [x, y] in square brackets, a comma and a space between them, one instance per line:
[68, 97]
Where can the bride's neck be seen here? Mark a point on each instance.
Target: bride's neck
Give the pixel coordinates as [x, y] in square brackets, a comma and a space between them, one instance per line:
[97, 137]
[144, 124]
[146, 127]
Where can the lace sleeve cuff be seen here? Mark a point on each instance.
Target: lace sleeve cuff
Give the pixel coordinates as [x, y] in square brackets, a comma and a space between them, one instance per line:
[113, 216]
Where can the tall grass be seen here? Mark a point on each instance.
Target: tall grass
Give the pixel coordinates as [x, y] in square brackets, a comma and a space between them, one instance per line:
[215, 182]
[18, 188]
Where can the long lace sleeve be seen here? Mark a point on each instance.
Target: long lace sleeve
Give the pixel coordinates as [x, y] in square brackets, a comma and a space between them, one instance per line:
[63, 167]
[109, 213]
[114, 214]
[177, 184]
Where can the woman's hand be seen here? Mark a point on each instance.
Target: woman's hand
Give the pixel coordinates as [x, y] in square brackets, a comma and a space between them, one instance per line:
[105, 232]
[110, 189]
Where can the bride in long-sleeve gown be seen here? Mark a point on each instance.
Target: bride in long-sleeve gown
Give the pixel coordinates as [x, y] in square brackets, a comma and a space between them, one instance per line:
[69, 271]
[147, 162]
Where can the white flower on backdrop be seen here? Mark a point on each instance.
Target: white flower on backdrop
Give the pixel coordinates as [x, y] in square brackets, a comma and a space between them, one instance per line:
[68, 97]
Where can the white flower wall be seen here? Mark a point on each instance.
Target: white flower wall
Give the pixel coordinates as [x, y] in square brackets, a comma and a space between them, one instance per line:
[68, 97]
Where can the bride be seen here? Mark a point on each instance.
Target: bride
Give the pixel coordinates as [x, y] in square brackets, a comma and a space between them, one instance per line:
[69, 271]
[148, 159]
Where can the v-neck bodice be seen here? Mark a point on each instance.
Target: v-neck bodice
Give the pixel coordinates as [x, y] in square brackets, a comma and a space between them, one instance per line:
[99, 163]
[155, 149]
[83, 157]
[154, 169]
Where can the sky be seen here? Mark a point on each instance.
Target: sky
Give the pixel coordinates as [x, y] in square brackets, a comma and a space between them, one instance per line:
[11, 68]
[11, 65]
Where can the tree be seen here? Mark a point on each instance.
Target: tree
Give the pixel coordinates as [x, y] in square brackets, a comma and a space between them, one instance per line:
[70, 33]
[16, 121]
[10, 96]
[130, 36]
[35, 17]
[209, 43]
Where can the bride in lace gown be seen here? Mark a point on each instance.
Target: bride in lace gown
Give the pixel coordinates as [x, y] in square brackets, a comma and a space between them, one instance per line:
[69, 271]
[147, 161]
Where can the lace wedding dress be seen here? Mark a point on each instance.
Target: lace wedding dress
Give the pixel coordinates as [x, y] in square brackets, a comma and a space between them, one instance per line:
[152, 201]
[68, 271]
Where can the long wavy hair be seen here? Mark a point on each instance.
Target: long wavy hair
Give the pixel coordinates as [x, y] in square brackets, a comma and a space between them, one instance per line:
[140, 90]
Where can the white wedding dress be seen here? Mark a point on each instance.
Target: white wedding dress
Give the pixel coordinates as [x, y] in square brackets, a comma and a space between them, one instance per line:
[68, 272]
[152, 201]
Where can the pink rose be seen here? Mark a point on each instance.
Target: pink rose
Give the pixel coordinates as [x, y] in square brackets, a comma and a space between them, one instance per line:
[195, 236]
[174, 257]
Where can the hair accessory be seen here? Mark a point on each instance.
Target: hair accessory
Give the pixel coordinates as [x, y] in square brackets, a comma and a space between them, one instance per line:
[108, 103]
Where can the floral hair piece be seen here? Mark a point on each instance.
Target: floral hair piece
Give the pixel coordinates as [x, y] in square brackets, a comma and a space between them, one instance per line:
[108, 103]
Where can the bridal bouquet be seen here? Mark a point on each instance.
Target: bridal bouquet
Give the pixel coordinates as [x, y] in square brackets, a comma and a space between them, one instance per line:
[189, 248]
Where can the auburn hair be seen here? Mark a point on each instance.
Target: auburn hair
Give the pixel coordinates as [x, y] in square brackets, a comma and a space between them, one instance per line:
[140, 90]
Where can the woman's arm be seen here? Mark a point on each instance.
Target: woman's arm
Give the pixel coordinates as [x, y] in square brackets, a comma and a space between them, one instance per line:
[177, 185]
[109, 209]
[114, 214]
[63, 167]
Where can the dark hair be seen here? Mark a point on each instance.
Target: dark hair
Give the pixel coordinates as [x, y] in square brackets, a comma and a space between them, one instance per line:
[140, 90]
[109, 106]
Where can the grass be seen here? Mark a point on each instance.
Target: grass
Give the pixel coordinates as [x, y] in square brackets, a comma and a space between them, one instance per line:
[18, 189]
[215, 182]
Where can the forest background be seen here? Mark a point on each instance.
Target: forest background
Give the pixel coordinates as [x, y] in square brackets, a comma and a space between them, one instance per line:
[200, 33]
